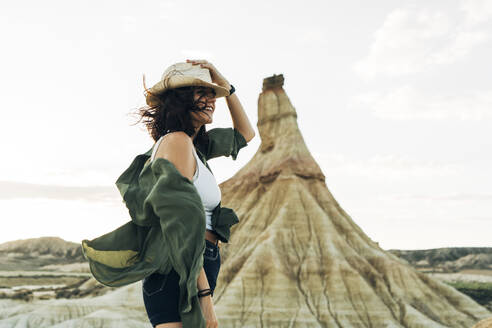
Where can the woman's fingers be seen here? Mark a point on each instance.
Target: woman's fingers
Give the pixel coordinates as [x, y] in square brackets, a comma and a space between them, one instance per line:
[197, 60]
[202, 62]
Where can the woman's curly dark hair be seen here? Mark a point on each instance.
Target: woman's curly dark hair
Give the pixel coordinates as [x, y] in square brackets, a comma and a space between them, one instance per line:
[173, 113]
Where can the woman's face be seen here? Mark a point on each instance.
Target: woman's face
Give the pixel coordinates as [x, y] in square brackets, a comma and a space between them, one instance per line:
[205, 98]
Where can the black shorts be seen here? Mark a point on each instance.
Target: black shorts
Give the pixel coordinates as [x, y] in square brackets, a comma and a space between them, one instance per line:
[161, 297]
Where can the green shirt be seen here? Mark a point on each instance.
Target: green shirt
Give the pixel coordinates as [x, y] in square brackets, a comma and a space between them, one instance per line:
[167, 226]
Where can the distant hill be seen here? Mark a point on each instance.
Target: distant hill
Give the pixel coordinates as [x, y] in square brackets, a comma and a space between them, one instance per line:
[50, 252]
[35, 253]
[450, 259]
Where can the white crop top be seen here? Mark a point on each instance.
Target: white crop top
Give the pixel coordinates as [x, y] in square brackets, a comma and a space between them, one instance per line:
[205, 184]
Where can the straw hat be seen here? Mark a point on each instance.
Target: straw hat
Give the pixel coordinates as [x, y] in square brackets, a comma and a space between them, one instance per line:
[183, 75]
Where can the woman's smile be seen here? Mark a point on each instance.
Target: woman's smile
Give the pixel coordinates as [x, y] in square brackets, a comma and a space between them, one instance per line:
[209, 110]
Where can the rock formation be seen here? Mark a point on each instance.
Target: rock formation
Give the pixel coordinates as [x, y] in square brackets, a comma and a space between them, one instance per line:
[297, 259]
[120, 308]
[485, 323]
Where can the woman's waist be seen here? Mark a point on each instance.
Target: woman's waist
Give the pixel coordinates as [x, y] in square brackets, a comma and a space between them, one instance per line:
[212, 237]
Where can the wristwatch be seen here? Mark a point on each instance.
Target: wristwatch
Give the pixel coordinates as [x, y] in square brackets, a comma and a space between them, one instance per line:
[232, 90]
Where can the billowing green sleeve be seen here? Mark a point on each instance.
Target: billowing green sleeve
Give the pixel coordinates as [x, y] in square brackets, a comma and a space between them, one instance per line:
[224, 142]
[124, 255]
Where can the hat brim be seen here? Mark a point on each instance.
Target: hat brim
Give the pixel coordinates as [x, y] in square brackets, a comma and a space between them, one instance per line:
[181, 81]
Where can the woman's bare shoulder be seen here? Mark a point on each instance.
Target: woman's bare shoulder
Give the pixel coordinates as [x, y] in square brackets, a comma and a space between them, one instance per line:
[176, 147]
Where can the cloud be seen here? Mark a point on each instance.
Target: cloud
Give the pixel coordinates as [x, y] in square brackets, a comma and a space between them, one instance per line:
[386, 167]
[12, 190]
[407, 102]
[412, 40]
[477, 11]
[196, 54]
[60, 176]
[309, 35]
[453, 197]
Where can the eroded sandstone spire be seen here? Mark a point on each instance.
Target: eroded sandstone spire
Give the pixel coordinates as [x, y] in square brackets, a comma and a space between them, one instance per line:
[297, 259]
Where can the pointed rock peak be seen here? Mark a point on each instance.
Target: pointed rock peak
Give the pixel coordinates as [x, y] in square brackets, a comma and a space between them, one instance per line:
[275, 81]
[276, 115]
[282, 153]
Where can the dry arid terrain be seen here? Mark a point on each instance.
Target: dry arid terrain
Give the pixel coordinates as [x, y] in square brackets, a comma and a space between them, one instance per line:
[50, 274]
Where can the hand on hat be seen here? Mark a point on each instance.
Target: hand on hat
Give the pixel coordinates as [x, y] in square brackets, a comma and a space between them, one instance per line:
[217, 78]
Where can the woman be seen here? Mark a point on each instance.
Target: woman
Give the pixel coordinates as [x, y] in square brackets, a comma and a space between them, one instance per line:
[179, 108]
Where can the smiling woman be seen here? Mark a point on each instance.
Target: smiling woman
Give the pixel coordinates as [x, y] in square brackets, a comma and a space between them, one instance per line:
[183, 101]
[205, 101]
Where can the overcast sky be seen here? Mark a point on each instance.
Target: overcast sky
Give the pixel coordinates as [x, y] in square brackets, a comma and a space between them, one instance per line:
[394, 101]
